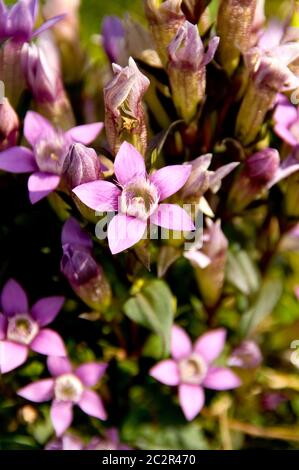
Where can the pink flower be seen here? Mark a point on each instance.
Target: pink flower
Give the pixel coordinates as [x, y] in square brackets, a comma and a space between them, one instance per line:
[66, 388]
[22, 329]
[49, 150]
[137, 198]
[286, 119]
[191, 369]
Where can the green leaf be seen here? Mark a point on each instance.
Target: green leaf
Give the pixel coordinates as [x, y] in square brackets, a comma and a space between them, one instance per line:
[266, 300]
[189, 436]
[242, 273]
[153, 308]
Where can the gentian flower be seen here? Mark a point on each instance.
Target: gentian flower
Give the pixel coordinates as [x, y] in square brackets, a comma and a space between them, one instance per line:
[191, 369]
[187, 69]
[83, 272]
[113, 37]
[9, 125]
[124, 112]
[137, 197]
[22, 329]
[49, 149]
[68, 387]
[165, 19]
[286, 117]
[246, 356]
[17, 22]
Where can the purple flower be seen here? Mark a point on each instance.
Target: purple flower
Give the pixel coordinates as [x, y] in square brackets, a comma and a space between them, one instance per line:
[113, 37]
[18, 21]
[246, 356]
[45, 161]
[191, 369]
[81, 165]
[66, 388]
[9, 125]
[270, 401]
[187, 68]
[66, 442]
[137, 198]
[22, 329]
[124, 113]
[84, 274]
[286, 119]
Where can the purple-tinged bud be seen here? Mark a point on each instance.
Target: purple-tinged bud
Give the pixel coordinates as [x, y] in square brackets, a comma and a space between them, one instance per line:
[41, 68]
[211, 278]
[165, 19]
[234, 24]
[187, 69]
[81, 165]
[84, 274]
[256, 176]
[113, 37]
[125, 118]
[246, 356]
[9, 125]
[270, 401]
[193, 9]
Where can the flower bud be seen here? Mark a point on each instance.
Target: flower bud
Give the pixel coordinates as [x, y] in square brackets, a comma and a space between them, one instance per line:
[125, 116]
[211, 278]
[81, 165]
[246, 356]
[256, 177]
[165, 19]
[234, 24]
[9, 125]
[113, 37]
[84, 274]
[187, 69]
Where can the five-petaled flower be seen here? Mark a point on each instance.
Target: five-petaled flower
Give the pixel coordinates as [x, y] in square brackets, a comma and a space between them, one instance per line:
[191, 368]
[22, 328]
[49, 149]
[66, 388]
[137, 198]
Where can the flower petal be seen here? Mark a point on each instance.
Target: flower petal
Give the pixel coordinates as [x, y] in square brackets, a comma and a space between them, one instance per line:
[91, 372]
[191, 398]
[41, 184]
[45, 310]
[91, 403]
[173, 217]
[85, 134]
[197, 258]
[36, 126]
[285, 134]
[3, 326]
[211, 344]
[12, 355]
[58, 365]
[124, 232]
[181, 345]
[48, 24]
[128, 164]
[61, 416]
[166, 372]
[39, 391]
[18, 160]
[48, 342]
[221, 378]
[100, 196]
[73, 234]
[170, 179]
[14, 298]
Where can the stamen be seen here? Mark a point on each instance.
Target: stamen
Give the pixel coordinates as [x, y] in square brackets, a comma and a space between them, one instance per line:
[193, 369]
[139, 199]
[22, 328]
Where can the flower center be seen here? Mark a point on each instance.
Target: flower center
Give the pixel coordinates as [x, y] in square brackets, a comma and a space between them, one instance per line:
[193, 370]
[139, 199]
[68, 388]
[22, 328]
[50, 154]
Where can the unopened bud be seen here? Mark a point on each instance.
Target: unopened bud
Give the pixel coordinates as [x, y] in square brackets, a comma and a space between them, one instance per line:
[9, 125]
[246, 356]
[81, 165]
[113, 37]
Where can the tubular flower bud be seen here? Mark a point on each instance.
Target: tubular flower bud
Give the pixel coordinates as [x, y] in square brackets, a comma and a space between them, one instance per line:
[187, 69]
[210, 279]
[125, 116]
[113, 37]
[9, 125]
[81, 165]
[84, 274]
[165, 19]
[234, 24]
